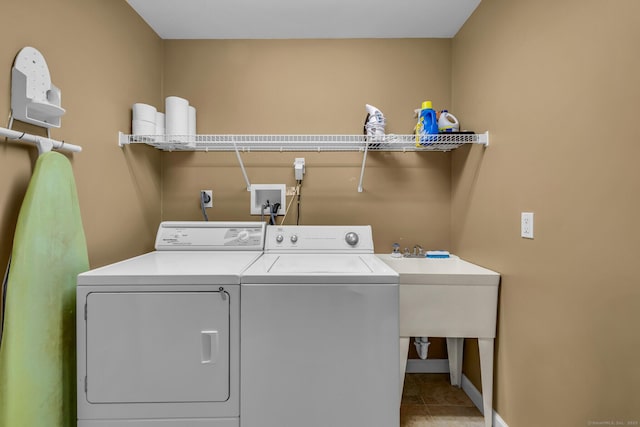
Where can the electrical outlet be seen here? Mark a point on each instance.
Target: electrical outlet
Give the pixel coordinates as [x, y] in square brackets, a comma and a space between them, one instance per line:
[526, 225]
[207, 197]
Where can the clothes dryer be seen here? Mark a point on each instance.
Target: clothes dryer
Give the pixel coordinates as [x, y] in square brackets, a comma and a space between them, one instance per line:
[158, 334]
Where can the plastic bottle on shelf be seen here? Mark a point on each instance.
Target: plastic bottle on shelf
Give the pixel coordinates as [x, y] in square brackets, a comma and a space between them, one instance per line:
[448, 122]
[427, 125]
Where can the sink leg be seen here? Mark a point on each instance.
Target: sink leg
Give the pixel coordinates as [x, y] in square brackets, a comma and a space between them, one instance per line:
[454, 350]
[485, 345]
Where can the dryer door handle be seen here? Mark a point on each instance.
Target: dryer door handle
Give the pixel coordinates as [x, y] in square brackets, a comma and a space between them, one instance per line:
[210, 346]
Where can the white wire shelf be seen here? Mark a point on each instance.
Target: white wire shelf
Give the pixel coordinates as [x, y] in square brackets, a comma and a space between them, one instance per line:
[319, 143]
[248, 143]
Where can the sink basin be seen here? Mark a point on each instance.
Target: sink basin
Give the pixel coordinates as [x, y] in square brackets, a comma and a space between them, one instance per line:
[440, 271]
[445, 297]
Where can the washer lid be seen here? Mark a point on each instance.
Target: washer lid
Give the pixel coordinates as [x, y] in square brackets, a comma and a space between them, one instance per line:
[304, 269]
[173, 268]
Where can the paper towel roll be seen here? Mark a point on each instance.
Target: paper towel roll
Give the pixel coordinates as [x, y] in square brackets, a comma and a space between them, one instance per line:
[142, 127]
[159, 127]
[176, 116]
[192, 120]
[144, 112]
[160, 123]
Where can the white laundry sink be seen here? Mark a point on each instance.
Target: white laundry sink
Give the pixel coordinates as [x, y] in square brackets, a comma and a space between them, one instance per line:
[452, 298]
[445, 297]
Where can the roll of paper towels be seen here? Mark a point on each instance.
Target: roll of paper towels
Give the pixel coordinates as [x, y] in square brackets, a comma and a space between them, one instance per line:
[176, 116]
[143, 119]
[140, 127]
[144, 112]
[159, 128]
[192, 120]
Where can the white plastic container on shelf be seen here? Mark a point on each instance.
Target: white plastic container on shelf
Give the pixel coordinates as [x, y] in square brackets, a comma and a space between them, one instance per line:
[448, 122]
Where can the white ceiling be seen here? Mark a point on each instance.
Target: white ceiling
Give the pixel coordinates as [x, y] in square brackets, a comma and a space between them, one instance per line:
[301, 19]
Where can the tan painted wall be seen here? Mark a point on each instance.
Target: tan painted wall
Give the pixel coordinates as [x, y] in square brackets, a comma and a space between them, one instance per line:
[314, 86]
[557, 85]
[541, 76]
[104, 58]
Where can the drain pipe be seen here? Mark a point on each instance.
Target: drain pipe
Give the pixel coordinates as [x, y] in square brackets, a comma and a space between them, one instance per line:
[422, 346]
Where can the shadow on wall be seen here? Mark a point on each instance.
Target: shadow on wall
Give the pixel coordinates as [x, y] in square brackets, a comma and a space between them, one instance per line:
[147, 186]
[466, 164]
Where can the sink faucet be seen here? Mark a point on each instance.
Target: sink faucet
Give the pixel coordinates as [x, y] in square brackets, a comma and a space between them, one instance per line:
[417, 252]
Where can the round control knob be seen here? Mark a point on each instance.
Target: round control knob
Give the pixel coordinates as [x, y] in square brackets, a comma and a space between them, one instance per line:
[351, 238]
[294, 238]
[279, 238]
[243, 236]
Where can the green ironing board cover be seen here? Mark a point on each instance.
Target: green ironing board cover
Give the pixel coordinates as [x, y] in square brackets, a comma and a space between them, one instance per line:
[37, 353]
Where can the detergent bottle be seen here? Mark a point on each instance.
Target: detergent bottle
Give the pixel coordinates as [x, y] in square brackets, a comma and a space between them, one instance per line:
[427, 125]
[448, 122]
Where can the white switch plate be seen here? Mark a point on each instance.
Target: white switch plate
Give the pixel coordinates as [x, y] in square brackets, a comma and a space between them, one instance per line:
[526, 225]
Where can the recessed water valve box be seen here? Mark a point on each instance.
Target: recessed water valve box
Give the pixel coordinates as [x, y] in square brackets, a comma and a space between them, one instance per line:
[263, 194]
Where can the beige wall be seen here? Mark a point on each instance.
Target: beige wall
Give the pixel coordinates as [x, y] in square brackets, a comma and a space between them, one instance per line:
[104, 58]
[557, 85]
[314, 86]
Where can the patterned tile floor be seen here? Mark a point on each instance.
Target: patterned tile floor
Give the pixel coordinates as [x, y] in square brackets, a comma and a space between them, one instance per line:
[429, 400]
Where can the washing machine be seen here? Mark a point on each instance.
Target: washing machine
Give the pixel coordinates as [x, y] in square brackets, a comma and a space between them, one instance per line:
[319, 331]
[158, 334]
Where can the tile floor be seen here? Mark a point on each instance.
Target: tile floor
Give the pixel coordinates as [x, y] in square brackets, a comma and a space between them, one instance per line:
[429, 400]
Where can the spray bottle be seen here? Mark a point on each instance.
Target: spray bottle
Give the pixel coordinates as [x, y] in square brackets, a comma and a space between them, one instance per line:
[374, 123]
[427, 125]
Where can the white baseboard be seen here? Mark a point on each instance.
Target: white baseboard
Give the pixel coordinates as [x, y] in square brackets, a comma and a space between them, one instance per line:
[476, 398]
[441, 366]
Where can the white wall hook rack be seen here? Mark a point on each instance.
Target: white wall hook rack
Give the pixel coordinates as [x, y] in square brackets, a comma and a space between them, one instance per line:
[44, 144]
[34, 99]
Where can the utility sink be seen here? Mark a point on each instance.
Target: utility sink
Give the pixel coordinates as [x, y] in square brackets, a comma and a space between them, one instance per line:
[444, 297]
[452, 298]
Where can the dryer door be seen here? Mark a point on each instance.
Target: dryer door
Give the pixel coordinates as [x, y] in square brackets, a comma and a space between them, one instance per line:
[145, 347]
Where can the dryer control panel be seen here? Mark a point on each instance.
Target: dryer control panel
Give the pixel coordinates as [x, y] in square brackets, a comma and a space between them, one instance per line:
[210, 236]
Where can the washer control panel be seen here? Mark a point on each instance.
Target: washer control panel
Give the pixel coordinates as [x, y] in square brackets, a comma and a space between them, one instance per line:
[210, 236]
[319, 238]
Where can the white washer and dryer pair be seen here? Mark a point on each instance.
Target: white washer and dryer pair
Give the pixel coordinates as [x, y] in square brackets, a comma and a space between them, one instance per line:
[209, 331]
